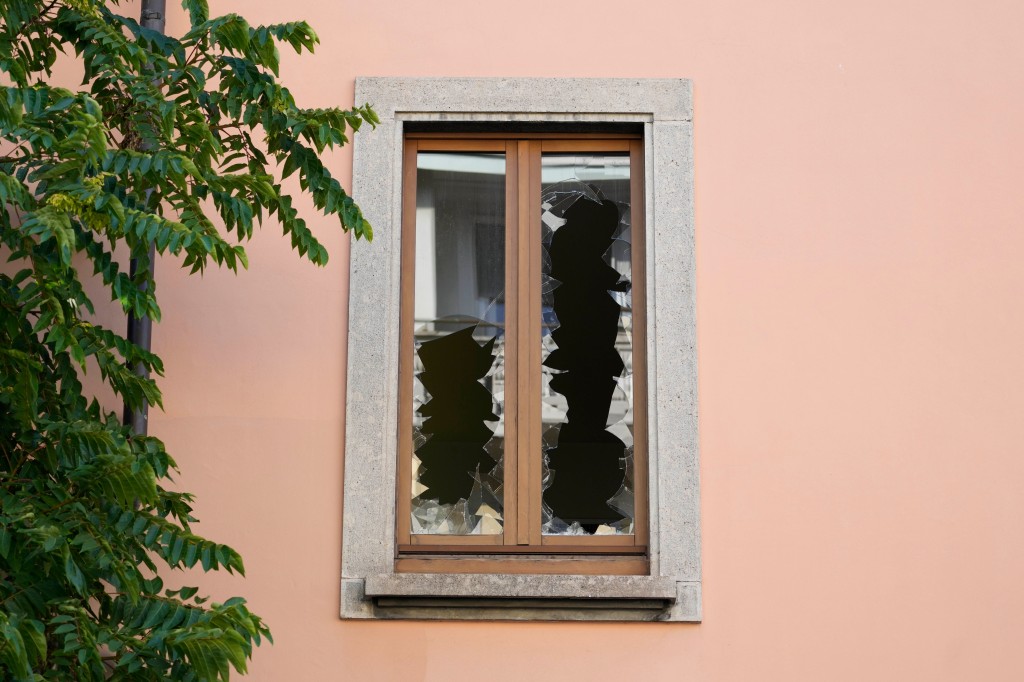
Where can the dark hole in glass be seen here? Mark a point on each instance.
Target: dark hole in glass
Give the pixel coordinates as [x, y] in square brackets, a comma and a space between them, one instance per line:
[587, 460]
[455, 414]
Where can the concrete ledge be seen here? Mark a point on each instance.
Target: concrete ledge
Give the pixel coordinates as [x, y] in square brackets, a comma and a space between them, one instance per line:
[520, 586]
[554, 598]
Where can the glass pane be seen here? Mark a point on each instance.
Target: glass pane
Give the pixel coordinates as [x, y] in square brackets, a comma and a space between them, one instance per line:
[459, 308]
[587, 358]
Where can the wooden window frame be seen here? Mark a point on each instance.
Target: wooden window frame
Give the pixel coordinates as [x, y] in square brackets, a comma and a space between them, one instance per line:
[521, 547]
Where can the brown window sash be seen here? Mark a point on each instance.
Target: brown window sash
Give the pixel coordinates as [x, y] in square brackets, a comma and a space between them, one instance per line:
[521, 547]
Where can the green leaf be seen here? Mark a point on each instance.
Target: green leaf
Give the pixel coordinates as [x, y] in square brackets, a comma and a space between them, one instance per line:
[198, 11]
[13, 652]
[74, 574]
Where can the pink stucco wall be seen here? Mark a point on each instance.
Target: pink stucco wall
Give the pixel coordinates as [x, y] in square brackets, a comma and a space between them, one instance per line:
[860, 230]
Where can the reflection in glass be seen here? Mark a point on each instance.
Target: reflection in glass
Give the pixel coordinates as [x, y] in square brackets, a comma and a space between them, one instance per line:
[586, 384]
[458, 415]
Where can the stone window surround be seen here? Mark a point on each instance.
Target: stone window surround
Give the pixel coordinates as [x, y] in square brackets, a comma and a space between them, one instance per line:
[370, 588]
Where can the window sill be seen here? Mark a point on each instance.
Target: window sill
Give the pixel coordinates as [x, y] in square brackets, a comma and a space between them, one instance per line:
[434, 596]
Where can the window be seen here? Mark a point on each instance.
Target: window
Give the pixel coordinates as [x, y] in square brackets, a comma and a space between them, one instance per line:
[526, 230]
[521, 398]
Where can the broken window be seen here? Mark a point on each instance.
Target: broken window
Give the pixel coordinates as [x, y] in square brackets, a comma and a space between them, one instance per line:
[458, 335]
[522, 407]
[586, 358]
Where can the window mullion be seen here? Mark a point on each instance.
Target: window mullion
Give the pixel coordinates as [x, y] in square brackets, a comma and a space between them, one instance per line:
[529, 222]
[523, 365]
[511, 483]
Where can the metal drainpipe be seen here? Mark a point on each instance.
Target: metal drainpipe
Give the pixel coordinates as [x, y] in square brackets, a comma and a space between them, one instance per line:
[140, 330]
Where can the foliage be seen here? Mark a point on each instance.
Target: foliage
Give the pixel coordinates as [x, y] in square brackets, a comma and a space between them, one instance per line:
[180, 144]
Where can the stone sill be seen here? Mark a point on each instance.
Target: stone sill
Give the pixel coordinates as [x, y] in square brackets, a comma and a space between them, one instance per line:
[520, 586]
[429, 596]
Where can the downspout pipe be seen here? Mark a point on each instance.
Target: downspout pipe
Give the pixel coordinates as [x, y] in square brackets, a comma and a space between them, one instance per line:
[140, 329]
[154, 15]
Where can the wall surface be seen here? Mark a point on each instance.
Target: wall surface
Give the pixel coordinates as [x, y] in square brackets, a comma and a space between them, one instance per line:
[860, 319]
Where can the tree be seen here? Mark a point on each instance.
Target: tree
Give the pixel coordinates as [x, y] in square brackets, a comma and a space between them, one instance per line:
[175, 144]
